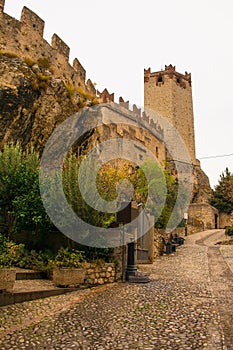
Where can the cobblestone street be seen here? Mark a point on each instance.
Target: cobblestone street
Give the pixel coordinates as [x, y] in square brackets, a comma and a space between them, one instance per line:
[187, 305]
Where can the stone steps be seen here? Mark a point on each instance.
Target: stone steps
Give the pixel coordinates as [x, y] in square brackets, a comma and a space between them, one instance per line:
[30, 275]
[31, 285]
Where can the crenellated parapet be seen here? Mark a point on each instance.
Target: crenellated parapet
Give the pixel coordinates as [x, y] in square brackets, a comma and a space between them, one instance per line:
[60, 46]
[143, 119]
[134, 113]
[105, 96]
[161, 77]
[24, 38]
[32, 20]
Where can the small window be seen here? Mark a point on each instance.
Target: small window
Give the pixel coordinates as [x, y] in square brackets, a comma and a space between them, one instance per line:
[157, 152]
[34, 26]
[178, 80]
[160, 78]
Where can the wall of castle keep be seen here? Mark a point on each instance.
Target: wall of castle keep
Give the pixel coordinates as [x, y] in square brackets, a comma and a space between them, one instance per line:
[118, 122]
[24, 38]
[169, 93]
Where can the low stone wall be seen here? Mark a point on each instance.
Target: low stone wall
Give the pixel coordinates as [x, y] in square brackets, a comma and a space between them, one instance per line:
[90, 274]
[161, 233]
[195, 229]
[100, 274]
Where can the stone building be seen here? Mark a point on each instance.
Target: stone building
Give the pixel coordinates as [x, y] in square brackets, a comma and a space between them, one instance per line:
[39, 89]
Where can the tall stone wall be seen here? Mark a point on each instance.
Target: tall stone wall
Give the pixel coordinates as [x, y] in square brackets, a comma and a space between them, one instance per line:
[24, 38]
[118, 121]
[169, 93]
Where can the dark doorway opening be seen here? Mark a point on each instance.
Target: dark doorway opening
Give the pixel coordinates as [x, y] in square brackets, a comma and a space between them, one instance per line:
[216, 220]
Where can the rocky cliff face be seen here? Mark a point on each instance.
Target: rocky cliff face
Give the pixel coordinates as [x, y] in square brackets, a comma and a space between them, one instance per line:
[33, 102]
[202, 190]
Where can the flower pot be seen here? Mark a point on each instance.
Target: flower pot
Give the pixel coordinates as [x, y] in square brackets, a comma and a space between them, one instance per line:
[68, 277]
[7, 279]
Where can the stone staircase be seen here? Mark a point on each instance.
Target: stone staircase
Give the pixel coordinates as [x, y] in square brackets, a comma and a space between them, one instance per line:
[31, 285]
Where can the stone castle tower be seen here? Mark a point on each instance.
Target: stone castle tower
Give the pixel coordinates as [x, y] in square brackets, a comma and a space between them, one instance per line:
[170, 94]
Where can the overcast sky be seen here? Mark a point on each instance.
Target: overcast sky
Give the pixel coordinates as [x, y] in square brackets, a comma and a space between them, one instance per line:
[116, 40]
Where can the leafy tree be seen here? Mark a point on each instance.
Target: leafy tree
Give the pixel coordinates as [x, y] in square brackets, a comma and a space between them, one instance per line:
[75, 197]
[28, 209]
[161, 185]
[20, 203]
[222, 198]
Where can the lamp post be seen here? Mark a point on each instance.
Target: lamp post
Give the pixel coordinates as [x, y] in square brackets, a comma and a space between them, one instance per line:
[186, 223]
[124, 216]
[121, 224]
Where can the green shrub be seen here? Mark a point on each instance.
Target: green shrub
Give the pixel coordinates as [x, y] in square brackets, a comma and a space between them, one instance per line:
[229, 231]
[93, 254]
[68, 258]
[12, 254]
[16, 255]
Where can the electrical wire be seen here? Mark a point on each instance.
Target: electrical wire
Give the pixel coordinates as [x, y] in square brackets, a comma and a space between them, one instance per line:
[217, 156]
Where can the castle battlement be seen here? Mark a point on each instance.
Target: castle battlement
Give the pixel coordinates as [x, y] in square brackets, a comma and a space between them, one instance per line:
[32, 20]
[183, 80]
[24, 38]
[133, 113]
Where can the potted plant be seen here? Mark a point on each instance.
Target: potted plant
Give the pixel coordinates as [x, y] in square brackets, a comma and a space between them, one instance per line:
[68, 269]
[9, 254]
[7, 279]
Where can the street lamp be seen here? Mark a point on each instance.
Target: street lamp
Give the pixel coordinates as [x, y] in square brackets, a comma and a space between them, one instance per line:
[124, 216]
[186, 223]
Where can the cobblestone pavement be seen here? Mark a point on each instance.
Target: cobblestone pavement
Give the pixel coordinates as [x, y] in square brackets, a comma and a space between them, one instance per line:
[183, 307]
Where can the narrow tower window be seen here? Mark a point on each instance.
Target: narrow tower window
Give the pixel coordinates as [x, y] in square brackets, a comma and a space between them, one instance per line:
[160, 78]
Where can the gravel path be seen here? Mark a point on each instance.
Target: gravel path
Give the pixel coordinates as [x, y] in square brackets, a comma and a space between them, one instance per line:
[181, 308]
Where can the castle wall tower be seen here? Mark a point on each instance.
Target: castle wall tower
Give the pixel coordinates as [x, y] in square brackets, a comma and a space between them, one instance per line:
[170, 94]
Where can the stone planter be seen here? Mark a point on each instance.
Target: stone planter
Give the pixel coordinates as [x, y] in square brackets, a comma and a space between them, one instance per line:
[68, 277]
[7, 279]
